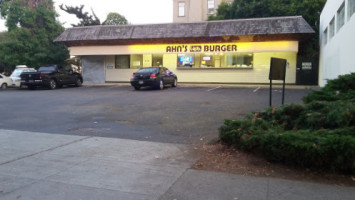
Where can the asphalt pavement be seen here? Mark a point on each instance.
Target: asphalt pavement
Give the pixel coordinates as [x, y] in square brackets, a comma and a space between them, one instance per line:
[182, 115]
[112, 142]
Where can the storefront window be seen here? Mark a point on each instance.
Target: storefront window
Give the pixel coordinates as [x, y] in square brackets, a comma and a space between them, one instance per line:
[128, 62]
[207, 60]
[157, 60]
[136, 61]
[122, 62]
[186, 60]
[239, 60]
[215, 60]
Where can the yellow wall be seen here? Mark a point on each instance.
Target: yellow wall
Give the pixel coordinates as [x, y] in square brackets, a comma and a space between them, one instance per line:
[262, 53]
[147, 60]
[258, 74]
[170, 61]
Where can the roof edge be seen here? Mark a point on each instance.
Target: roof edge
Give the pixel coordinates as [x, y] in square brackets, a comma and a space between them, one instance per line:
[197, 22]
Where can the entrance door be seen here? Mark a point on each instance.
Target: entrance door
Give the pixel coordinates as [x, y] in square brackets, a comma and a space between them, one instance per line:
[307, 71]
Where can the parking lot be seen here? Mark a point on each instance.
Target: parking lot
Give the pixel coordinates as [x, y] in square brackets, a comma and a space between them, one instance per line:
[185, 115]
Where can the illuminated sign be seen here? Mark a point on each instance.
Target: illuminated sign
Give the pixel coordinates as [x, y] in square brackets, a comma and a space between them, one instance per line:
[197, 48]
[207, 48]
[186, 59]
[206, 58]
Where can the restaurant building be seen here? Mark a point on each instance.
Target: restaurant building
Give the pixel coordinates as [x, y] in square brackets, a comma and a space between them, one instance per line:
[227, 51]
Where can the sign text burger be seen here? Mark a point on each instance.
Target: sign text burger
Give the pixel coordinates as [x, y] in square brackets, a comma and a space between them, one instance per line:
[207, 48]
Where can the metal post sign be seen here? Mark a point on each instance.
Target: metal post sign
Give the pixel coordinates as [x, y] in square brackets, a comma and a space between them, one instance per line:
[277, 72]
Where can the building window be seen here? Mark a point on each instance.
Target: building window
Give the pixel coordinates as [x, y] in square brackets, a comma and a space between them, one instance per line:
[157, 60]
[351, 8]
[213, 60]
[239, 60]
[208, 60]
[122, 62]
[181, 9]
[229, 2]
[325, 36]
[331, 28]
[186, 60]
[340, 17]
[210, 6]
[136, 61]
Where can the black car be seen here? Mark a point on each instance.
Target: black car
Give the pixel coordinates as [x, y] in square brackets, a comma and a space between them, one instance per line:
[51, 76]
[156, 77]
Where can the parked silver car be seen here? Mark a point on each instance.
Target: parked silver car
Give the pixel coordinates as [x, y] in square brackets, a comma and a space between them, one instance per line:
[15, 76]
[4, 81]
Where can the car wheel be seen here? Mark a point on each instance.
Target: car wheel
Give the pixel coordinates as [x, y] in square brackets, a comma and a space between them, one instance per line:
[78, 82]
[4, 86]
[52, 84]
[137, 87]
[174, 83]
[161, 84]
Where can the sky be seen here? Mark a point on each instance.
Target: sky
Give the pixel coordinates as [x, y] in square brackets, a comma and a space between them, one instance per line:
[135, 11]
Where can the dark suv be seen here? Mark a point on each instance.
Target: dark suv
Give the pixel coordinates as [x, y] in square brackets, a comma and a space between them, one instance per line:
[51, 76]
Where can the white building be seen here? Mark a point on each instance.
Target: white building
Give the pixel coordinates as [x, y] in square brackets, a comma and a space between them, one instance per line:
[195, 10]
[337, 39]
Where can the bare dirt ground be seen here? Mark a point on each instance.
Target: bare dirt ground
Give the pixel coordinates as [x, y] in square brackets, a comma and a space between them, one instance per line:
[220, 158]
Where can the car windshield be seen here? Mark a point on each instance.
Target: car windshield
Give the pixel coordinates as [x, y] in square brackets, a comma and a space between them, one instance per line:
[47, 68]
[148, 70]
[16, 73]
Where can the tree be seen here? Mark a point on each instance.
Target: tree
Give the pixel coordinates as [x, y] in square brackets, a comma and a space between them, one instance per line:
[309, 9]
[85, 18]
[2, 2]
[91, 20]
[30, 35]
[115, 19]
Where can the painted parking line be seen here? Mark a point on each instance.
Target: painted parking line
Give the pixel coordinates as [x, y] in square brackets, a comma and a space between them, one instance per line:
[256, 89]
[209, 90]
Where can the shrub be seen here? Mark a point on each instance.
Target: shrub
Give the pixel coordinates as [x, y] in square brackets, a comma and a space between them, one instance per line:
[342, 88]
[323, 149]
[319, 134]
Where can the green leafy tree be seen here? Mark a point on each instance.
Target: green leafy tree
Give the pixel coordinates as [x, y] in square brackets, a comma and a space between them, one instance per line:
[115, 19]
[309, 9]
[30, 35]
[2, 2]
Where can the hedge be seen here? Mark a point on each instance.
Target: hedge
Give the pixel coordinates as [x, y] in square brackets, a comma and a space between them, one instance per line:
[319, 134]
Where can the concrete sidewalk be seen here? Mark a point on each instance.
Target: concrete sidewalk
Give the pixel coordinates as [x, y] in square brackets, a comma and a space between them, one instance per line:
[42, 166]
